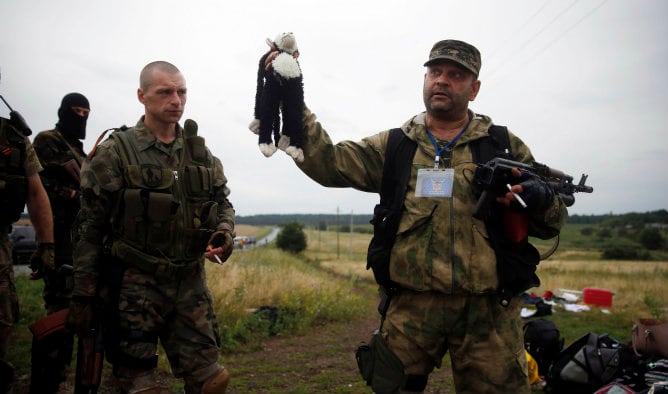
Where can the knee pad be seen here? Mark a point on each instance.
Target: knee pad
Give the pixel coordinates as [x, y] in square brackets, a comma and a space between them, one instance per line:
[217, 384]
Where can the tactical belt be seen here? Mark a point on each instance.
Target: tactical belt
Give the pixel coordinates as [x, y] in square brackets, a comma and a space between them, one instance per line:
[158, 266]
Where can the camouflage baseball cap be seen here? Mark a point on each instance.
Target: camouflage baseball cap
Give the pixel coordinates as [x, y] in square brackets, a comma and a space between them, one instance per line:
[458, 51]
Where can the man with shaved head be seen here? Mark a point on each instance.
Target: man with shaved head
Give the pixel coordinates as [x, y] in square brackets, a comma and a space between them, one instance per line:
[154, 205]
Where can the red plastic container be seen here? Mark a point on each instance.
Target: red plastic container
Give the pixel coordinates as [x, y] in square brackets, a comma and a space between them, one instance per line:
[597, 297]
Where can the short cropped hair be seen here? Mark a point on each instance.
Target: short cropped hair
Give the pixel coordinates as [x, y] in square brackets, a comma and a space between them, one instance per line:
[146, 75]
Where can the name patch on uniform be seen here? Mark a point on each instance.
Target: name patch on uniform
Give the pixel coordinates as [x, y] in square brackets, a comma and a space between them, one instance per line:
[434, 182]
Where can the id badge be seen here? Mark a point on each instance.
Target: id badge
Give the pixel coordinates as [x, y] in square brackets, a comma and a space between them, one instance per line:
[434, 182]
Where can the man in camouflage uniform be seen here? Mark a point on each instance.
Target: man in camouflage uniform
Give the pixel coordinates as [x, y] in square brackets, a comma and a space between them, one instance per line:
[442, 259]
[60, 152]
[154, 204]
[19, 185]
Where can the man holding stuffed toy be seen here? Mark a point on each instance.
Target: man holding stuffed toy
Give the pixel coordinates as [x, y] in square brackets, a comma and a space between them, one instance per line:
[154, 204]
[444, 293]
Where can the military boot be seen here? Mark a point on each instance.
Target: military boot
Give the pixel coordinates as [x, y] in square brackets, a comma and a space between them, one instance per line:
[217, 384]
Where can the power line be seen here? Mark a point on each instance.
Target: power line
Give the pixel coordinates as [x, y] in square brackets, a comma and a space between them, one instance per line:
[556, 39]
[560, 36]
[527, 42]
[516, 32]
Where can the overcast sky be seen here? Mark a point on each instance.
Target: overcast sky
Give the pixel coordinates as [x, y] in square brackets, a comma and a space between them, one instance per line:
[583, 83]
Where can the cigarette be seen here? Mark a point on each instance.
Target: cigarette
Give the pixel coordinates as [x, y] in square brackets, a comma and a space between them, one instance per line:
[517, 197]
[215, 255]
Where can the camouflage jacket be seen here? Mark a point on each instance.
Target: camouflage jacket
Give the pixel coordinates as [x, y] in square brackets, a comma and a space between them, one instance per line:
[17, 162]
[439, 245]
[112, 201]
[62, 162]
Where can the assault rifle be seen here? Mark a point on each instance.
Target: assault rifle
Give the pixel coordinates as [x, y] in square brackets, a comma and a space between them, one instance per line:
[494, 176]
[17, 120]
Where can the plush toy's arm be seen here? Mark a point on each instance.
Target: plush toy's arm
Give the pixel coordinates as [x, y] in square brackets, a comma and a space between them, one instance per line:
[255, 124]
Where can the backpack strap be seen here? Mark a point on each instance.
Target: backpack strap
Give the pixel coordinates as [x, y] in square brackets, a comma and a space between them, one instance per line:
[497, 143]
[397, 166]
[396, 170]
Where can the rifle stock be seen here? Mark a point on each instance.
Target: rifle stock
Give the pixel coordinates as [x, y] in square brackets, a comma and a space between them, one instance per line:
[90, 360]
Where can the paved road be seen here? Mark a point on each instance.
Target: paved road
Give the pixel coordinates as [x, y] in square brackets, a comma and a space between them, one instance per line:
[270, 237]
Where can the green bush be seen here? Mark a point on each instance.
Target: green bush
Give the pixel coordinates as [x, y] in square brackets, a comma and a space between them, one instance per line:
[622, 249]
[587, 231]
[292, 238]
[651, 238]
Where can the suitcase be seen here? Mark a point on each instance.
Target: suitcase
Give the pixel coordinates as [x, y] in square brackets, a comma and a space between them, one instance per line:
[597, 297]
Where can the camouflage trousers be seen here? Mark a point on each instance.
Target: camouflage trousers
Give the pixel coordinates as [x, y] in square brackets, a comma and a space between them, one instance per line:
[178, 311]
[9, 303]
[485, 340]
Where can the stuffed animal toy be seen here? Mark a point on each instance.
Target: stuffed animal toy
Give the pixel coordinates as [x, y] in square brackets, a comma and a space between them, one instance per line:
[280, 91]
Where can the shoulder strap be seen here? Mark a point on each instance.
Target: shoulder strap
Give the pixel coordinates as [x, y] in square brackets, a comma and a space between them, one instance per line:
[496, 144]
[125, 148]
[396, 168]
[99, 139]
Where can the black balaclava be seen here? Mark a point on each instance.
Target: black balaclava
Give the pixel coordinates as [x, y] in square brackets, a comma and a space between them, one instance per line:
[71, 125]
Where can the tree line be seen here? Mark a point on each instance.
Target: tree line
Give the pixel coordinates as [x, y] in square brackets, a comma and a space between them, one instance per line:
[631, 219]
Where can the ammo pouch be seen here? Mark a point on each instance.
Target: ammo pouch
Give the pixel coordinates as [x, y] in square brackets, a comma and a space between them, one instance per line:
[379, 367]
[166, 214]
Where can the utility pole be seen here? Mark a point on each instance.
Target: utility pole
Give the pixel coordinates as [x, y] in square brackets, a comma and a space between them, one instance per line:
[338, 230]
[350, 255]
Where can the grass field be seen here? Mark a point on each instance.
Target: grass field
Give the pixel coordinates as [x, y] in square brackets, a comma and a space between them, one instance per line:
[324, 283]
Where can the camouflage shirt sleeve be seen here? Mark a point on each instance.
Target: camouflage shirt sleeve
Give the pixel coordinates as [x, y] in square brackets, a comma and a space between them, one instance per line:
[226, 214]
[345, 164]
[31, 165]
[54, 153]
[100, 180]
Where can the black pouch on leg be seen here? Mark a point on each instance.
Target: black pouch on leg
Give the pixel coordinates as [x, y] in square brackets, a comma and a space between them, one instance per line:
[380, 368]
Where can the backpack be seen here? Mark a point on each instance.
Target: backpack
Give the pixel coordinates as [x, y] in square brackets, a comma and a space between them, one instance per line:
[543, 341]
[589, 363]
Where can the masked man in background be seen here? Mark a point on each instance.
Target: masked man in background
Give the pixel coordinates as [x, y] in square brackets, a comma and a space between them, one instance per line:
[61, 154]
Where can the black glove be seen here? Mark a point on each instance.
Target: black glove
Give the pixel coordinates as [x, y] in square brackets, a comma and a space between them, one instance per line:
[537, 194]
[42, 260]
[222, 239]
[81, 315]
